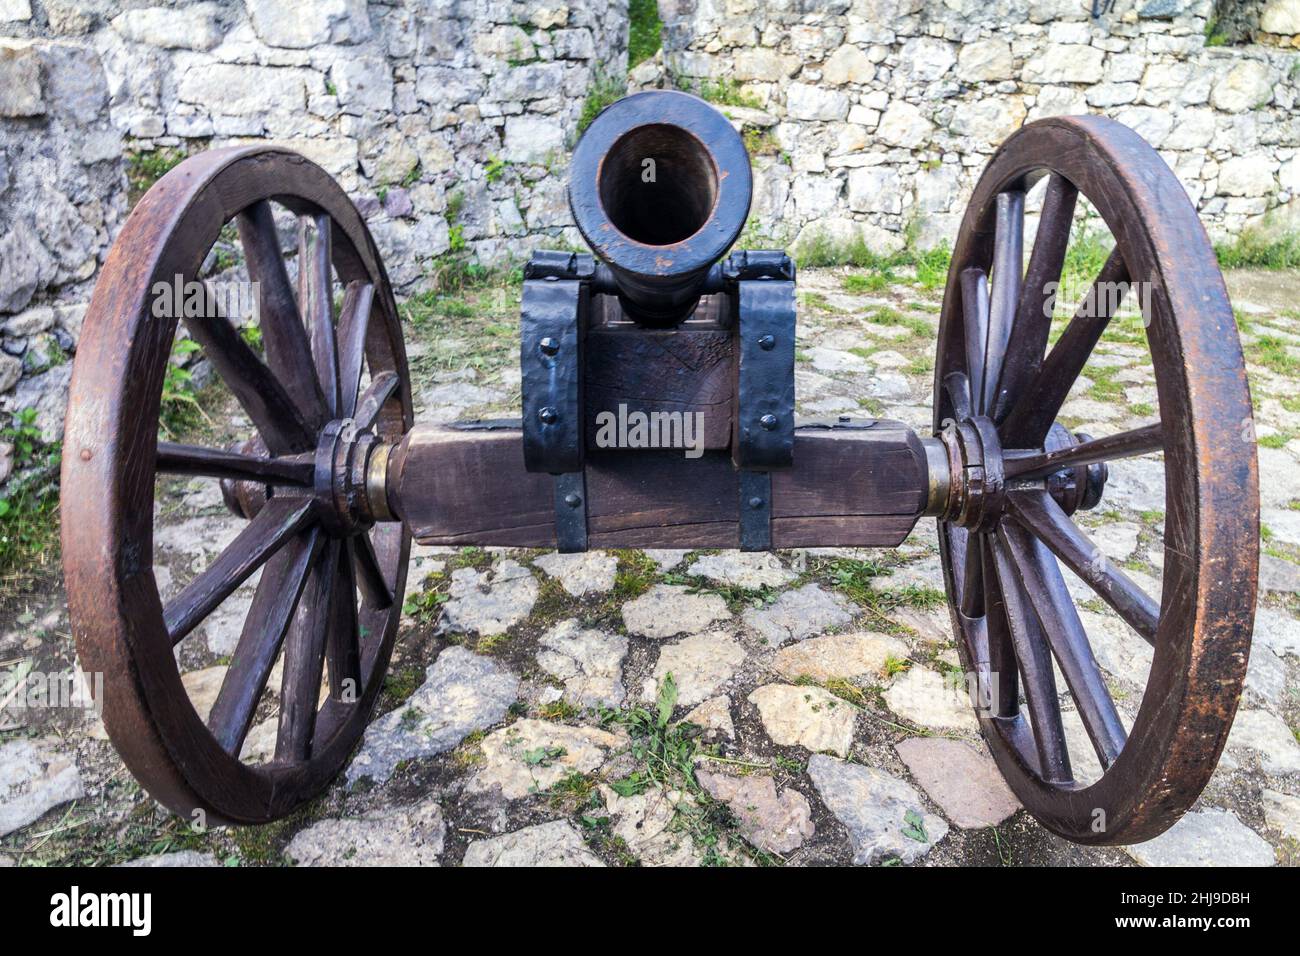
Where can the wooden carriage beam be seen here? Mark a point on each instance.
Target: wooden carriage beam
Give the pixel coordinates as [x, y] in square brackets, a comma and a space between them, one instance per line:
[862, 486]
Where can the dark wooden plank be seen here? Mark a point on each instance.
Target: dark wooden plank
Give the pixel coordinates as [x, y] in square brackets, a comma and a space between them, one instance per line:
[848, 487]
[682, 371]
[372, 402]
[343, 647]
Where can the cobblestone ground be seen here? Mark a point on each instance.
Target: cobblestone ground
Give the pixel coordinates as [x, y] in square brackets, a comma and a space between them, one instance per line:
[530, 715]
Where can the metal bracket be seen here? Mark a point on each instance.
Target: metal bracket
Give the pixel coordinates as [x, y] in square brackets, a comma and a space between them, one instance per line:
[755, 511]
[552, 324]
[765, 328]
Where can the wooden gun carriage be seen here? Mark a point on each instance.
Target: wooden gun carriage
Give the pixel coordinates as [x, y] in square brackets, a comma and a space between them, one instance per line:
[664, 319]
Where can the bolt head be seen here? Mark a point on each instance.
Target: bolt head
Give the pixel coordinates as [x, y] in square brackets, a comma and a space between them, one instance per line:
[767, 342]
[756, 502]
[768, 422]
[549, 345]
[572, 500]
[548, 415]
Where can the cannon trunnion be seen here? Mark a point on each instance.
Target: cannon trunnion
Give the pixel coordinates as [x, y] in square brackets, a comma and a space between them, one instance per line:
[657, 386]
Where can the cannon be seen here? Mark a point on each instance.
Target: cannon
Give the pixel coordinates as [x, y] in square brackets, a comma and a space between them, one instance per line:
[663, 317]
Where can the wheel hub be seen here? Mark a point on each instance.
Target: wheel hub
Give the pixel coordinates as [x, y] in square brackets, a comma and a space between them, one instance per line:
[974, 494]
[348, 480]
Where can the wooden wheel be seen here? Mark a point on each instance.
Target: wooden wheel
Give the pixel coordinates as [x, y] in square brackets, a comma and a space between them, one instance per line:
[300, 481]
[1009, 527]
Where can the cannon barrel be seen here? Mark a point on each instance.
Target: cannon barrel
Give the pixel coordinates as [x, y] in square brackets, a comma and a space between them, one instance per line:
[660, 189]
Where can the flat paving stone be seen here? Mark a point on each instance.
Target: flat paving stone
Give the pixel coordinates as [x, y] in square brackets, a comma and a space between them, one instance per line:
[400, 836]
[462, 692]
[855, 655]
[531, 756]
[1137, 484]
[667, 610]
[35, 776]
[589, 572]
[805, 716]
[545, 844]
[772, 821]
[1209, 837]
[714, 717]
[588, 661]
[925, 698]
[645, 822]
[1278, 631]
[700, 664]
[885, 817]
[665, 559]
[1276, 574]
[743, 569]
[1282, 812]
[488, 602]
[798, 614]
[964, 783]
[1269, 736]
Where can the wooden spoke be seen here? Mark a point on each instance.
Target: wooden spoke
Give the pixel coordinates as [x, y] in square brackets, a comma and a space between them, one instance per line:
[318, 308]
[288, 350]
[1138, 441]
[368, 408]
[278, 521]
[1033, 316]
[975, 329]
[1035, 660]
[174, 459]
[1034, 411]
[972, 588]
[304, 658]
[1055, 611]
[957, 386]
[371, 578]
[269, 617]
[1004, 299]
[344, 646]
[354, 325]
[256, 388]
[1043, 517]
[1003, 666]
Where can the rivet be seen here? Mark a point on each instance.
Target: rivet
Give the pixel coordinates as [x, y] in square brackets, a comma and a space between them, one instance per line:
[85, 454]
[572, 500]
[549, 346]
[756, 503]
[548, 415]
[767, 342]
[768, 422]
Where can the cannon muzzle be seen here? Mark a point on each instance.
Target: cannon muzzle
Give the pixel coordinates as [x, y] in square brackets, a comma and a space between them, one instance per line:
[660, 189]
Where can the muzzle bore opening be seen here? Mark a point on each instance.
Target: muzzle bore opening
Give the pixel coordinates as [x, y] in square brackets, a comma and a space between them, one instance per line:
[658, 184]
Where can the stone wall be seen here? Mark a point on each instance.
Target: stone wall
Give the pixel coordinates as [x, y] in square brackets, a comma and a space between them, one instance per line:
[449, 122]
[880, 114]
